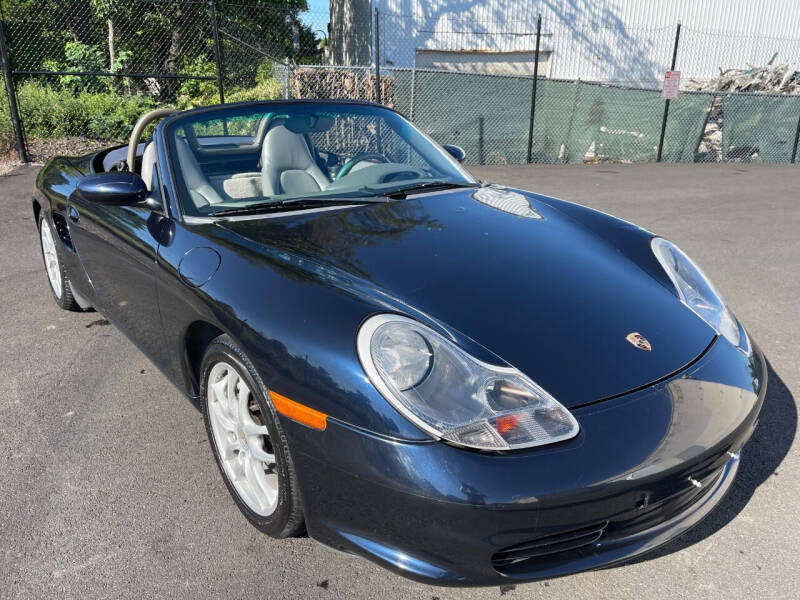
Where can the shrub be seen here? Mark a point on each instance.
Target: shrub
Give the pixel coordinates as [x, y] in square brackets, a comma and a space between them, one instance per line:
[6, 129]
[198, 92]
[266, 88]
[51, 111]
[270, 89]
[83, 58]
[48, 113]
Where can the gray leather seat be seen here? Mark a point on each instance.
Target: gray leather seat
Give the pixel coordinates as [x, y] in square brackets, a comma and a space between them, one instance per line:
[200, 190]
[287, 164]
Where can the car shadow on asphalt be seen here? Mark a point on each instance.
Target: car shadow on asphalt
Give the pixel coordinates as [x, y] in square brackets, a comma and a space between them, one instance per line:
[761, 459]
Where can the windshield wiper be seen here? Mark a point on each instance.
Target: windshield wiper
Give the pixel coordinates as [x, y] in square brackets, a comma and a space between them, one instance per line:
[294, 203]
[406, 191]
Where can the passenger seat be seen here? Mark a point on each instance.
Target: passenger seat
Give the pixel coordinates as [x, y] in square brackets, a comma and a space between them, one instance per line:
[287, 164]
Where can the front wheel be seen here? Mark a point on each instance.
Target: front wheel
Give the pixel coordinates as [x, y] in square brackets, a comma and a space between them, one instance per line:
[248, 442]
[54, 267]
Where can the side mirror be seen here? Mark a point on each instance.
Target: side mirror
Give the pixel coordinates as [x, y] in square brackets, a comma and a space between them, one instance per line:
[456, 152]
[116, 189]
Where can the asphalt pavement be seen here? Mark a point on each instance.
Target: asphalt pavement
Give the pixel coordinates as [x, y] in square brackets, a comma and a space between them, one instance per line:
[108, 488]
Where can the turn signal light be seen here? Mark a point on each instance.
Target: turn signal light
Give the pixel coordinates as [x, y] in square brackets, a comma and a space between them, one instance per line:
[299, 412]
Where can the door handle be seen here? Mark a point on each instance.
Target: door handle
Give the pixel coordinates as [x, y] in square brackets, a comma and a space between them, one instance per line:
[73, 215]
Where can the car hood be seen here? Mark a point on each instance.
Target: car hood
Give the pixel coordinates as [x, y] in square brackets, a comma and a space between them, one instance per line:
[518, 276]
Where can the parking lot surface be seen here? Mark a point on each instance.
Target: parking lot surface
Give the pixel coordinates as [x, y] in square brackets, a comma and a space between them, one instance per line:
[108, 487]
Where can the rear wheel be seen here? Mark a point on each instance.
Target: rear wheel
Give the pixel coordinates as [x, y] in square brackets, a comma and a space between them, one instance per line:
[248, 442]
[57, 274]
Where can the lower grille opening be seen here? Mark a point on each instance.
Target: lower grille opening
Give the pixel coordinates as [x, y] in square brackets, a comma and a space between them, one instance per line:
[551, 544]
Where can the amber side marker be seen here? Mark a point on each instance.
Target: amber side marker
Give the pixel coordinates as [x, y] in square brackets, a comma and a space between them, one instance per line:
[299, 412]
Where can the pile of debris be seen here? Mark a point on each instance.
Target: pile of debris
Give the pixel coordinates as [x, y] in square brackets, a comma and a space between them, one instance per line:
[354, 84]
[772, 78]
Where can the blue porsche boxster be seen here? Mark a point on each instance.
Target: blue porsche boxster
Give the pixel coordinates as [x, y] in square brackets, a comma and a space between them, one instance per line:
[465, 383]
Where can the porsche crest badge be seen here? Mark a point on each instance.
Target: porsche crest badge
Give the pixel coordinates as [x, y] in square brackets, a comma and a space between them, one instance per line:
[638, 340]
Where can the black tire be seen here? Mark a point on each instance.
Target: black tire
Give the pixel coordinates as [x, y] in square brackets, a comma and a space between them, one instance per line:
[63, 296]
[287, 518]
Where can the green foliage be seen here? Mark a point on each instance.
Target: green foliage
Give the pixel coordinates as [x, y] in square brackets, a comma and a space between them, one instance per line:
[198, 92]
[169, 37]
[51, 113]
[270, 89]
[123, 59]
[6, 129]
[265, 72]
[266, 86]
[83, 58]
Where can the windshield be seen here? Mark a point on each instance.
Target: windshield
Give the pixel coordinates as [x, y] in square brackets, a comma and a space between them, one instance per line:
[279, 155]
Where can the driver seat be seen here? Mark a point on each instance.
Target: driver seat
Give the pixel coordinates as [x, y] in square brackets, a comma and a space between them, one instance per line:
[288, 165]
[200, 190]
[148, 164]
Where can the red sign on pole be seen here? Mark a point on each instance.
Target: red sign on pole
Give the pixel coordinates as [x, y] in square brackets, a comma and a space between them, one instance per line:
[672, 83]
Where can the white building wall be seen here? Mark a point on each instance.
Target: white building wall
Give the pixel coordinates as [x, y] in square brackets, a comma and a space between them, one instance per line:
[619, 40]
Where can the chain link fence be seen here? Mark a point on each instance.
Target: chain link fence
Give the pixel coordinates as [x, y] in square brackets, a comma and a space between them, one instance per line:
[7, 138]
[88, 69]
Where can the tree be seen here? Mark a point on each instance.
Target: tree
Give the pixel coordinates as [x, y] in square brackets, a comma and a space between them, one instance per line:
[106, 9]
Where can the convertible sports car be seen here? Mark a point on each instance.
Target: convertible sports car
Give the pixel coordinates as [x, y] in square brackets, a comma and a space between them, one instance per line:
[465, 383]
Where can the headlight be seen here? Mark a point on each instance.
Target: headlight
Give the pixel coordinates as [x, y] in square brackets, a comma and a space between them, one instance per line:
[451, 395]
[695, 289]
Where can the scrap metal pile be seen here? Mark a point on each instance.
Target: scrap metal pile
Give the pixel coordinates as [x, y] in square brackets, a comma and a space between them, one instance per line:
[780, 78]
[772, 78]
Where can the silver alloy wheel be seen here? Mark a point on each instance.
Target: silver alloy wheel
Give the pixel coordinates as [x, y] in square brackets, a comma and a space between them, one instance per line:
[51, 258]
[240, 440]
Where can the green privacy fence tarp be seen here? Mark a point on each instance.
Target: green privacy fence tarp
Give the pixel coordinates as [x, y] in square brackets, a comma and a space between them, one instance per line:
[759, 128]
[578, 121]
[485, 115]
[489, 115]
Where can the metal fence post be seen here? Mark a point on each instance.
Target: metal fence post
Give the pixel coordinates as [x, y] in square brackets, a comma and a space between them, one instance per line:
[796, 139]
[377, 57]
[217, 49]
[286, 78]
[414, 89]
[533, 88]
[12, 94]
[666, 102]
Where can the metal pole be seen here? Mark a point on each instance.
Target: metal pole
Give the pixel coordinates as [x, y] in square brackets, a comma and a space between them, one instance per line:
[217, 49]
[286, 78]
[12, 95]
[413, 89]
[796, 139]
[533, 88]
[666, 102]
[377, 58]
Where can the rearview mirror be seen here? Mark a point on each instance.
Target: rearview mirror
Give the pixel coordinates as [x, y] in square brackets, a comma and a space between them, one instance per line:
[456, 152]
[117, 189]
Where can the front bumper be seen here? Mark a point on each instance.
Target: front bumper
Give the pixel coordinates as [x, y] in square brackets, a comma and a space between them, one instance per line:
[645, 467]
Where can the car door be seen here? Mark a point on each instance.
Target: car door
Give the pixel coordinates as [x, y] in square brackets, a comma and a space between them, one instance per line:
[118, 247]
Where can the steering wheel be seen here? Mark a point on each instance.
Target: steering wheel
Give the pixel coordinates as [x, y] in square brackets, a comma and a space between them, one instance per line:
[348, 166]
[136, 134]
